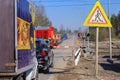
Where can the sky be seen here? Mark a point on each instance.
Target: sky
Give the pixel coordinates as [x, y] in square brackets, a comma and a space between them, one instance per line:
[72, 13]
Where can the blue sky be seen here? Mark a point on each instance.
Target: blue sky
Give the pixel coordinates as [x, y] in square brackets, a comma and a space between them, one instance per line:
[72, 13]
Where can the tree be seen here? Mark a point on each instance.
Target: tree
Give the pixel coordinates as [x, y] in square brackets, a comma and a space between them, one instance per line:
[114, 21]
[41, 18]
[62, 30]
[118, 17]
[103, 34]
[92, 32]
[55, 30]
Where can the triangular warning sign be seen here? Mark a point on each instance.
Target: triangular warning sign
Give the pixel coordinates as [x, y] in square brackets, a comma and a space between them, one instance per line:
[97, 17]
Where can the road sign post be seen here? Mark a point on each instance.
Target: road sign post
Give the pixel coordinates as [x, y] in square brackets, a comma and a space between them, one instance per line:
[97, 18]
[96, 51]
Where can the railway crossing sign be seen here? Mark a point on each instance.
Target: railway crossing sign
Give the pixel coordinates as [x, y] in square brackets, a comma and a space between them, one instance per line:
[97, 17]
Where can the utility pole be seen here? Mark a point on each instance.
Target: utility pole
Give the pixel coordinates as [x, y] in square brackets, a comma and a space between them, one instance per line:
[110, 31]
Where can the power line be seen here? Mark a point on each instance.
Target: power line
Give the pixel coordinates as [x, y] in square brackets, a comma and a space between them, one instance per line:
[69, 5]
[72, 5]
[55, 1]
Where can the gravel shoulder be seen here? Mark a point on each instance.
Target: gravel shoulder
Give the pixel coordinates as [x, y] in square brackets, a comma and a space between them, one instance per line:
[85, 70]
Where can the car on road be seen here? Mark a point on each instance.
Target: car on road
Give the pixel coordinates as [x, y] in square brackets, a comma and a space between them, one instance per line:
[45, 56]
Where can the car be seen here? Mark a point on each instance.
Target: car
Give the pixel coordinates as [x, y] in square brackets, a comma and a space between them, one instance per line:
[45, 56]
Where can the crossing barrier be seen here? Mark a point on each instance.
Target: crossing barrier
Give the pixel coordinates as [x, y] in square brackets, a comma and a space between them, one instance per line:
[63, 47]
[77, 56]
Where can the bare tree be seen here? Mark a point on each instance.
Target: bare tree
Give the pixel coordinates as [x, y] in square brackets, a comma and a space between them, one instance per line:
[41, 18]
[62, 29]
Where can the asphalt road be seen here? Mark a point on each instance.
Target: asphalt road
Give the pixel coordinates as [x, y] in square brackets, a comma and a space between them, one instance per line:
[61, 57]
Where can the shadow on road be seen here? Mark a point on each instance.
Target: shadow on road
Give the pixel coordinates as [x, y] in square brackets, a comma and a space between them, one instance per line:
[59, 71]
[114, 56]
[67, 71]
[112, 67]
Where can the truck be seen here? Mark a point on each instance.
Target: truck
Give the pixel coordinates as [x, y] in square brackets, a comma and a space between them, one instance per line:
[46, 33]
[17, 46]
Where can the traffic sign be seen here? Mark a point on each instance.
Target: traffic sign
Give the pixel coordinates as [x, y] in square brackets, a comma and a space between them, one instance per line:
[97, 17]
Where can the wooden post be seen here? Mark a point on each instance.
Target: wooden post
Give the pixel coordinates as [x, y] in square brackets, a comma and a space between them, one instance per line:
[73, 55]
[96, 63]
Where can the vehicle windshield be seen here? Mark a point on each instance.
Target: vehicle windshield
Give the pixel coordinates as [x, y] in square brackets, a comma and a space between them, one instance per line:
[40, 46]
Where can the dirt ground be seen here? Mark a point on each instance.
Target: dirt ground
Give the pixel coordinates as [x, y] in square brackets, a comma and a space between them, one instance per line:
[85, 70]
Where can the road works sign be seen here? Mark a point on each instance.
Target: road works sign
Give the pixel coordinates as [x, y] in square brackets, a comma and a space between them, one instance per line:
[97, 17]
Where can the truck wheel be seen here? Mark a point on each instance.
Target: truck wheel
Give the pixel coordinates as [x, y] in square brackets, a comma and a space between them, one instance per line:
[47, 70]
[52, 63]
[19, 78]
[40, 70]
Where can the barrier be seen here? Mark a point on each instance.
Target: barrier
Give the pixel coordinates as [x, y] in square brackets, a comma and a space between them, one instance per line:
[63, 47]
[77, 56]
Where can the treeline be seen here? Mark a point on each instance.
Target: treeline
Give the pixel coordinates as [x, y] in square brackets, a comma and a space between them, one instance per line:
[115, 20]
[104, 32]
[40, 17]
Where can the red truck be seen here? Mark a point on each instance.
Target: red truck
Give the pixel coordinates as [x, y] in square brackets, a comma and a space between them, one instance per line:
[45, 32]
[17, 52]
